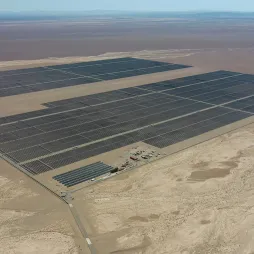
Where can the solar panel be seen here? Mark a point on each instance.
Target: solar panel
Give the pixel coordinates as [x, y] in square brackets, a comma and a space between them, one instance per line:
[83, 174]
[36, 167]
[160, 114]
[45, 78]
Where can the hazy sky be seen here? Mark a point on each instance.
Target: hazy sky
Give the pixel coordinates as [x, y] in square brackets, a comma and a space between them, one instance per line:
[138, 5]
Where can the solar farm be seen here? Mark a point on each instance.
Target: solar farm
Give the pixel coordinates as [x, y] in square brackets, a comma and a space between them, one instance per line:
[83, 127]
[160, 115]
[127, 132]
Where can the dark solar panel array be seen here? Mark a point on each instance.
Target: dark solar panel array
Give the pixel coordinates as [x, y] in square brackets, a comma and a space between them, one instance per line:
[43, 78]
[246, 104]
[95, 128]
[167, 133]
[218, 91]
[83, 174]
[159, 114]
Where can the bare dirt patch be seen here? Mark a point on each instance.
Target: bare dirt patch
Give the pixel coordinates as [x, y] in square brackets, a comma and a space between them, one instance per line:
[210, 173]
[160, 214]
[31, 219]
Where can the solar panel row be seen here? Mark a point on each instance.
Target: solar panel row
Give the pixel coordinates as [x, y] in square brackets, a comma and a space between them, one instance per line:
[242, 103]
[74, 117]
[160, 134]
[85, 101]
[174, 137]
[125, 121]
[83, 174]
[44, 78]
[124, 93]
[159, 113]
[33, 131]
[165, 85]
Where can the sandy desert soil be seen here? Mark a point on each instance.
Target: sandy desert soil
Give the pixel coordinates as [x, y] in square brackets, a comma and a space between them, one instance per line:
[192, 202]
[233, 59]
[35, 40]
[31, 219]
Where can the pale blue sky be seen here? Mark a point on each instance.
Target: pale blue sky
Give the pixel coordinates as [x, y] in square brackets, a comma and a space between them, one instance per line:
[135, 5]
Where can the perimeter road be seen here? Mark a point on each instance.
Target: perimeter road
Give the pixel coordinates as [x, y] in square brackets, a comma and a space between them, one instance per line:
[82, 228]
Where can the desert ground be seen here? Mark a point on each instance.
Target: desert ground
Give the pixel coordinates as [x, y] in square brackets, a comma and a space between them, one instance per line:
[195, 201]
[199, 200]
[33, 40]
[31, 219]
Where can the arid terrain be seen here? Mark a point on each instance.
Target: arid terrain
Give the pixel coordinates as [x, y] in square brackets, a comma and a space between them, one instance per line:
[196, 201]
[31, 219]
[30, 40]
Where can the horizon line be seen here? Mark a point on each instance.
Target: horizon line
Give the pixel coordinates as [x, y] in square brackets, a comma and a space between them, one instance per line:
[128, 11]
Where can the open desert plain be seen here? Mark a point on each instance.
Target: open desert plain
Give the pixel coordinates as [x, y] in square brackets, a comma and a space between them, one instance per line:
[127, 134]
